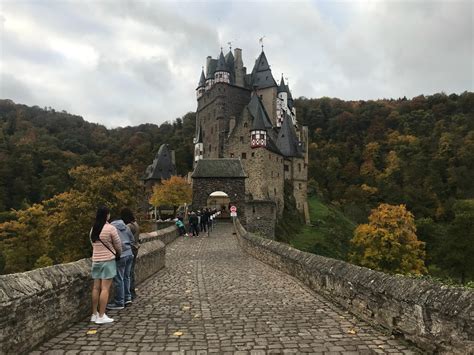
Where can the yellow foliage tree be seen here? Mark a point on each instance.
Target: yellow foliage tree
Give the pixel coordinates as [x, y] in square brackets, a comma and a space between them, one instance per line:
[57, 230]
[388, 242]
[172, 192]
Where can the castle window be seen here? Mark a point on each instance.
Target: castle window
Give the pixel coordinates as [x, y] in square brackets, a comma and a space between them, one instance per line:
[299, 167]
[210, 148]
[299, 185]
[245, 124]
[231, 155]
[253, 154]
[275, 191]
[244, 155]
[287, 168]
[241, 139]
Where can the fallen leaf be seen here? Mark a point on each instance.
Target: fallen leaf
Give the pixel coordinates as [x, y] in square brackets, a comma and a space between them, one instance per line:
[187, 291]
[185, 308]
[92, 331]
[352, 331]
[196, 316]
[178, 333]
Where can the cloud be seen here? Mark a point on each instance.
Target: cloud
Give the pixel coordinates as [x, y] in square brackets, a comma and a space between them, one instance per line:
[129, 62]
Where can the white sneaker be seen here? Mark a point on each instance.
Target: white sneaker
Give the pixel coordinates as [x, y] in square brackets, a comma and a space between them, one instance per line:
[94, 317]
[103, 320]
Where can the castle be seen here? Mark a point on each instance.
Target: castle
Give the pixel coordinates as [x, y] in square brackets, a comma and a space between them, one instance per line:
[248, 116]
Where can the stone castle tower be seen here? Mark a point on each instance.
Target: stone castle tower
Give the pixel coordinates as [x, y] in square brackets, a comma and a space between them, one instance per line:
[248, 116]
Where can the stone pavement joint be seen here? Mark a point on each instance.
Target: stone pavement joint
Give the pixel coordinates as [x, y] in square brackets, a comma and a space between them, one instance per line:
[213, 298]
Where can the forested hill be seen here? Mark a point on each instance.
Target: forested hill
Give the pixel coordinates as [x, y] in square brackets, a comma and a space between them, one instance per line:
[418, 152]
[39, 146]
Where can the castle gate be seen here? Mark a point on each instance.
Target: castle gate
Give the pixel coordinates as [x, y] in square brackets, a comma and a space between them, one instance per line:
[226, 175]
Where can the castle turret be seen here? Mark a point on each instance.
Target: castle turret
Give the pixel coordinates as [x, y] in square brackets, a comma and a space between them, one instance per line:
[230, 62]
[201, 85]
[222, 73]
[210, 69]
[258, 132]
[282, 101]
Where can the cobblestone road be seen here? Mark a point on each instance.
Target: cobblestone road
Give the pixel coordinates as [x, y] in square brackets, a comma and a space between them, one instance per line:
[220, 300]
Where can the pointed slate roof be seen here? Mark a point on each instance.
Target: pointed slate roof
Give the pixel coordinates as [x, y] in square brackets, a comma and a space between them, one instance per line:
[219, 168]
[211, 69]
[229, 59]
[202, 80]
[162, 167]
[261, 63]
[221, 64]
[287, 141]
[257, 111]
[282, 87]
[262, 74]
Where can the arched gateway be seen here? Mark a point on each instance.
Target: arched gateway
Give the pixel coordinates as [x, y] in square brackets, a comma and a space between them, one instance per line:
[211, 175]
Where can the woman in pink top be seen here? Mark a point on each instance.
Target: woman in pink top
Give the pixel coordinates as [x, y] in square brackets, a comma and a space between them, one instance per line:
[105, 245]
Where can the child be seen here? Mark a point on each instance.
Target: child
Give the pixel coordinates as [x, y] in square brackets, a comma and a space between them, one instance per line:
[180, 225]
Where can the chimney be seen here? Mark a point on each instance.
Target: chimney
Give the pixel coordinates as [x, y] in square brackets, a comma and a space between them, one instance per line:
[208, 63]
[238, 67]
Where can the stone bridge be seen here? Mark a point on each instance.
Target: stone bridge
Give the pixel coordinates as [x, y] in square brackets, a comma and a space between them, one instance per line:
[231, 292]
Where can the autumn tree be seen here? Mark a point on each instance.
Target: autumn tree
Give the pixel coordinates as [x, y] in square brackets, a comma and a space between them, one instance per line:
[388, 242]
[57, 230]
[174, 192]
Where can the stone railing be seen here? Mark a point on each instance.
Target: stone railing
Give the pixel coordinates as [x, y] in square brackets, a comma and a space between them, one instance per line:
[38, 304]
[437, 318]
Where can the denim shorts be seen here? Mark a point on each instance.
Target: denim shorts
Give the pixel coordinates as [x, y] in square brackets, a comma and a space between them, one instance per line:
[104, 269]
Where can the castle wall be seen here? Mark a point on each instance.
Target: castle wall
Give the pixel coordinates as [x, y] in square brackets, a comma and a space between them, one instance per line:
[215, 109]
[300, 182]
[263, 167]
[261, 217]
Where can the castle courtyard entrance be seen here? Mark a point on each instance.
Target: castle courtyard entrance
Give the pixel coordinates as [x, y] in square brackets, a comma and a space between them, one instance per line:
[219, 201]
[225, 176]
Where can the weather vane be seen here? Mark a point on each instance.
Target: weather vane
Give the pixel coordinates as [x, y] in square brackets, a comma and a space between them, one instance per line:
[261, 41]
[230, 45]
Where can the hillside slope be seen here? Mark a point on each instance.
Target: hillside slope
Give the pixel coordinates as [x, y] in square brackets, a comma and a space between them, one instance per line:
[328, 234]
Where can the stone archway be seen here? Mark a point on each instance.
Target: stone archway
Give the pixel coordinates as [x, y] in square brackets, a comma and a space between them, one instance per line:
[211, 175]
[219, 201]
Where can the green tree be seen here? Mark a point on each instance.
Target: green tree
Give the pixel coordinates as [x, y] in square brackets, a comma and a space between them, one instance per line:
[457, 248]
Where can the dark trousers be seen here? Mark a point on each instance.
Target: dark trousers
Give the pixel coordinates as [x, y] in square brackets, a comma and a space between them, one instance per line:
[193, 228]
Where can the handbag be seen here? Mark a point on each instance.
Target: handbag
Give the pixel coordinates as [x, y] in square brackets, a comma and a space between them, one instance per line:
[117, 255]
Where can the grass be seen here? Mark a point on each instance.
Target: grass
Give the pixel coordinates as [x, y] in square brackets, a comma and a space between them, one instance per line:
[328, 234]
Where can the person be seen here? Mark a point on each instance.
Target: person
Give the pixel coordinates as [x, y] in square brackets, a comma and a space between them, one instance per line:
[204, 220]
[105, 246]
[181, 228]
[124, 267]
[129, 219]
[193, 224]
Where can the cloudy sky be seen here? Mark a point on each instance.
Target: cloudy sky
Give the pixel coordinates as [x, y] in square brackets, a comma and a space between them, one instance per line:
[129, 62]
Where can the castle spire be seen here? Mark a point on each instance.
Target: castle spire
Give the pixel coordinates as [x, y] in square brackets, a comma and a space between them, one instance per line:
[222, 73]
[201, 85]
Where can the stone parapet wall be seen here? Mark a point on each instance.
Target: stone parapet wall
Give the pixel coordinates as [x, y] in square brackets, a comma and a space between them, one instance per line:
[38, 304]
[439, 319]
